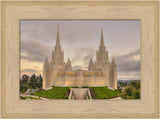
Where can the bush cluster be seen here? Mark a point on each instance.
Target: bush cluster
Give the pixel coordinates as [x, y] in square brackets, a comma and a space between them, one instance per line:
[30, 82]
[132, 91]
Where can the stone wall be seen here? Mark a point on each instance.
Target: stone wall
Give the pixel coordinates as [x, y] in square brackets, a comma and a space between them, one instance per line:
[87, 81]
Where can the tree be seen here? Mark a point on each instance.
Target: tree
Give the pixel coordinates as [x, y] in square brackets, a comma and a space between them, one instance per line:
[132, 91]
[23, 89]
[32, 83]
[136, 94]
[36, 81]
[119, 89]
[39, 81]
[25, 80]
[129, 91]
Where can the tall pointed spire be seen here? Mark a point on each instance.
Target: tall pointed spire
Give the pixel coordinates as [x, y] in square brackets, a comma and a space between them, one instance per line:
[90, 66]
[69, 61]
[102, 55]
[46, 61]
[58, 40]
[91, 61]
[102, 38]
[113, 61]
[68, 65]
[57, 54]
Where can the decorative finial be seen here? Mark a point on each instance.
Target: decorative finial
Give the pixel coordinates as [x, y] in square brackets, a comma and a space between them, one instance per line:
[69, 61]
[57, 27]
[58, 40]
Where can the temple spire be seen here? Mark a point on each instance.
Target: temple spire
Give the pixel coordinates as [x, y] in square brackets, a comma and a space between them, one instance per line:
[58, 54]
[113, 61]
[102, 38]
[90, 66]
[69, 61]
[68, 65]
[46, 62]
[58, 40]
[91, 61]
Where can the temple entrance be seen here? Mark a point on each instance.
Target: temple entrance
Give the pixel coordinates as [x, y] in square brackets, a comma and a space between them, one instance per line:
[80, 93]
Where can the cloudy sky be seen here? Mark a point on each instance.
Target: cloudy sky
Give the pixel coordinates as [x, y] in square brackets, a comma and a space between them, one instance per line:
[80, 40]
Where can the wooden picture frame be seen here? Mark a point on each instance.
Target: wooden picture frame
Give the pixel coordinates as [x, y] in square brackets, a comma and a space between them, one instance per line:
[14, 11]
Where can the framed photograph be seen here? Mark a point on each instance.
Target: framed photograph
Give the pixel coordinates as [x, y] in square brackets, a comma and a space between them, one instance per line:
[80, 59]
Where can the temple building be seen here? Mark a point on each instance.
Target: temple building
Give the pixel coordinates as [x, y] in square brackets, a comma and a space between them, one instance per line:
[57, 72]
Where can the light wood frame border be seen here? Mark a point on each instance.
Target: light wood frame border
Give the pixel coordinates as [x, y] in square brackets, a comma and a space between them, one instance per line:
[146, 11]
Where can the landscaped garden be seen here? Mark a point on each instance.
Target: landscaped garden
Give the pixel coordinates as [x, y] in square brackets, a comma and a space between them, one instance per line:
[104, 93]
[63, 92]
[54, 93]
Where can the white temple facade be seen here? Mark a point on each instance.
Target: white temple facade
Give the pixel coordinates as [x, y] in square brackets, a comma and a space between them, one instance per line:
[57, 72]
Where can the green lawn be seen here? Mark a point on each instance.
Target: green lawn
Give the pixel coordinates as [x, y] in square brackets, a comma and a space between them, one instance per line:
[54, 93]
[105, 93]
[59, 93]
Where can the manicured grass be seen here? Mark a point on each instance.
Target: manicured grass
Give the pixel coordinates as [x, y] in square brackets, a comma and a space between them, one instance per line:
[105, 93]
[59, 93]
[54, 93]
